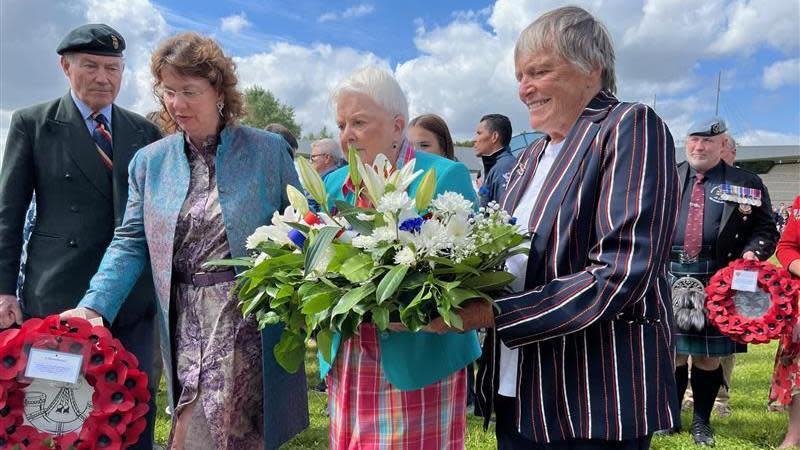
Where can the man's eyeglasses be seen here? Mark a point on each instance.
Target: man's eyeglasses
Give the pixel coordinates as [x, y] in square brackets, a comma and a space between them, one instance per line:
[319, 155]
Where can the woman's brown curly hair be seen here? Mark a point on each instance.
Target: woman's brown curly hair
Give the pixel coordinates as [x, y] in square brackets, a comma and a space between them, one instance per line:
[193, 55]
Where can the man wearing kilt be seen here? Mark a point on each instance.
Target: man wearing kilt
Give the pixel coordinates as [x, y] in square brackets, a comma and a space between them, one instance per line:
[725, 214]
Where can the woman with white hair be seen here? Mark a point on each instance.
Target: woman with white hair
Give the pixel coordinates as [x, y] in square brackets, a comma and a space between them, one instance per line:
[397, 389]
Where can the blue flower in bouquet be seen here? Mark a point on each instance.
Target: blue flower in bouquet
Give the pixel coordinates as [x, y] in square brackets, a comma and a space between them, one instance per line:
[297, 238]
[512, 221]
[412, 225]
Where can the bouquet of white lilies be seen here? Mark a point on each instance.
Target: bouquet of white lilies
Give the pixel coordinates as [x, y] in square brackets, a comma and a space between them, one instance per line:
[388, 258]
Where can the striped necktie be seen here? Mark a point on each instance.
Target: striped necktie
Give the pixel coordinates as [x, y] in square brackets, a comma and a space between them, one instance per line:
[102, 137]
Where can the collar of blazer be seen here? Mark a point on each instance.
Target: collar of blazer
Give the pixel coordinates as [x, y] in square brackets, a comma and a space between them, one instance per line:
[76, 141]
[562, 174]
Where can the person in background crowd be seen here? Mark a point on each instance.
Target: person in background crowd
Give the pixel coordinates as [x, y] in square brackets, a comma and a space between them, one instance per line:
[787, 359]
[72, 153]
[429, 133]
[286, 134]
[398, 370]
[590, 305]
[195, 196]
[326, 156]
[724, 215]
[492, 136]
[728, 153]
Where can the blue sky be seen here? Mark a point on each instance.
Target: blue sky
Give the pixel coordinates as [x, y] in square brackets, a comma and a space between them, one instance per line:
[451, 58]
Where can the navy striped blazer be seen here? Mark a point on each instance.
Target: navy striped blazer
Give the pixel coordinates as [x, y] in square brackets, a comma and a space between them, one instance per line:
[594, 323]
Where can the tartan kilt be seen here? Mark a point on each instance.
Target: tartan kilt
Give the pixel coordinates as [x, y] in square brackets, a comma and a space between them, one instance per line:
[710, 341]
[367, 412]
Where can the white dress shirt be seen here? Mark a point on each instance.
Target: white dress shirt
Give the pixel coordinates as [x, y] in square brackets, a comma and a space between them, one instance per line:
[518, 264]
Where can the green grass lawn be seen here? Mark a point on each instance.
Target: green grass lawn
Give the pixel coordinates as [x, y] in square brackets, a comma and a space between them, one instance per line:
[750, 426]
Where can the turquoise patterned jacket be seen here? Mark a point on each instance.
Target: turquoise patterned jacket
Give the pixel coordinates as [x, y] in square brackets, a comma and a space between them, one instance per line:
[415, 360]
[252, 169]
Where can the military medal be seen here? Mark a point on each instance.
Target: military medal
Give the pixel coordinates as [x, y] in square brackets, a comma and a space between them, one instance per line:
[744, 208]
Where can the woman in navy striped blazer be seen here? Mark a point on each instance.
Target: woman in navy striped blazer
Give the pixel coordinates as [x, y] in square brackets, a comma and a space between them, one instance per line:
[581, 353]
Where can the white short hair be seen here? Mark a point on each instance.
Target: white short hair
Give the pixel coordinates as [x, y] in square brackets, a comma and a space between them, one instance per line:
[328, 146]
[379, 85]
[577, 36]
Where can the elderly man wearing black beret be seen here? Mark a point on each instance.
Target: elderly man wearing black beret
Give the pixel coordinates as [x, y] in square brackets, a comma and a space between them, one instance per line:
[725, 214]
[73, 153]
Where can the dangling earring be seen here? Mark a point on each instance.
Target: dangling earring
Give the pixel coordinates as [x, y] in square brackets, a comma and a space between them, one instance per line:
[220, 107]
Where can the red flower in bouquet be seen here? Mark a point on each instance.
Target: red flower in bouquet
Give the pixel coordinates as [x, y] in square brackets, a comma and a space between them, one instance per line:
[66, 441]
[30, 438]
[136, 382]
[111, 397]
[134, 431]
[100, 436]
[127, 358]
[12, 358]
[117, 420]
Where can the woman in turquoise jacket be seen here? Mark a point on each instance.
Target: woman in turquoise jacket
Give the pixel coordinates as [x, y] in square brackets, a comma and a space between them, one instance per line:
[196, 195]
[397, 390]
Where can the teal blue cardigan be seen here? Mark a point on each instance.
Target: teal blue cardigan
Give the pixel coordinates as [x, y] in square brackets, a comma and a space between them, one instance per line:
[415, 360]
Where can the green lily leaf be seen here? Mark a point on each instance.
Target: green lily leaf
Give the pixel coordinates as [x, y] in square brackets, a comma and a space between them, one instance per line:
[319, 244]
[357, 268]
[390, 282]
[489, 281]
[380, 317]
[290, 351]
[351, 298]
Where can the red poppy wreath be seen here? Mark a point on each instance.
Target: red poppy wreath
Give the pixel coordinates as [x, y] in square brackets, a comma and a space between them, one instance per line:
[773, 282]
[105, 409]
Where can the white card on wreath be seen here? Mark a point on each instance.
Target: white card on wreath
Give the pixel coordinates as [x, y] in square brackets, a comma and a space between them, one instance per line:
[53, 366]
[745, 280]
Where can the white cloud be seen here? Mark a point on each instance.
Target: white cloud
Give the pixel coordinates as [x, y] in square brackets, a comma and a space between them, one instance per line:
[766, 137]
[359, 10]
[757, 22]
[463, 69]
[304, 77]
[235, 23]
[781, 73]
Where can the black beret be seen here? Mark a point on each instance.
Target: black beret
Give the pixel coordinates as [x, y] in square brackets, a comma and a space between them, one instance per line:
[93, 38]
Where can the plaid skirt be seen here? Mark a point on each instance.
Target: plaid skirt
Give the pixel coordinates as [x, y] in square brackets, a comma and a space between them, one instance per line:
[367, 412]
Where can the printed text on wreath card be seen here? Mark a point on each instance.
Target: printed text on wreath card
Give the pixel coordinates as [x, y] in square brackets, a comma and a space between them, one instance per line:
[745, 280]
[53, 366]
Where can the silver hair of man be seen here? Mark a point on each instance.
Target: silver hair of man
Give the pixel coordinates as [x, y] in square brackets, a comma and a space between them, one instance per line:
[328, 146]
[377, 84]
[577, 37]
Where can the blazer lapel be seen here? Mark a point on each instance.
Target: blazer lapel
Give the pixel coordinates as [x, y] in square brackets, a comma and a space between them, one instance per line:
[127, 140]
[563, 172]
[521, 175]
[80, 145]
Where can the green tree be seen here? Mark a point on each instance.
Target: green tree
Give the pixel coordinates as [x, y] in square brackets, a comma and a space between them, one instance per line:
[263, 108]
[464, 143]
[323, 133]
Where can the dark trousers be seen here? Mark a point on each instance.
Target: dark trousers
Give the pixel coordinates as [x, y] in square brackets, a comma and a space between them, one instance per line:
[139, 339]
[508, 438]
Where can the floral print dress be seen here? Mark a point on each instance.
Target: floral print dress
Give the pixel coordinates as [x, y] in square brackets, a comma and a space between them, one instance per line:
[217, 351]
